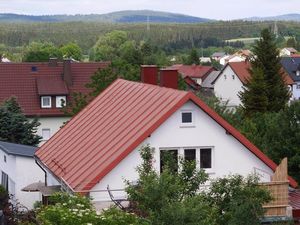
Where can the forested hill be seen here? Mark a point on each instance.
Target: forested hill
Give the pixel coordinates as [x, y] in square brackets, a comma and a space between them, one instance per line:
[287, 17]
[131, 16]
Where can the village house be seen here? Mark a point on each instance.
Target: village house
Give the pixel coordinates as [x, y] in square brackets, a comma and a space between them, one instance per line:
[232, 79]
[18, 169]
[239, 56]
[42, 89]
[291, 65]
[99, 147]
[218, 55]
[287, 52]
[196, 76]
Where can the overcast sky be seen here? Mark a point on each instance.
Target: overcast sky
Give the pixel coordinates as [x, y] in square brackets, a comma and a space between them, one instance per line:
[214, 9]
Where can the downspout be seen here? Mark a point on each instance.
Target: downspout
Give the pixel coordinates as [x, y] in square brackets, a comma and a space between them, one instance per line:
[36, 161]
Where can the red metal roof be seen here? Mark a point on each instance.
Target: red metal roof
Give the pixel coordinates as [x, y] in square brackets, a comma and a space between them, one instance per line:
[18, 79]
[193, 71]
[92, 143]
[294, 202]
[241, 69]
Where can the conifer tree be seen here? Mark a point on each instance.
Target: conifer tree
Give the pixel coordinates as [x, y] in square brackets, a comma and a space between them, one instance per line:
[15, 127]
[254, 96]
[193, 57]
[267, 62]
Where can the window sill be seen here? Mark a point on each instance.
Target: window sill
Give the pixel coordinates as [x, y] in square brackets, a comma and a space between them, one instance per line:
[187, 126]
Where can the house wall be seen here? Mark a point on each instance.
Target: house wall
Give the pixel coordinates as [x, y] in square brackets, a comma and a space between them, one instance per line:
[27, 172]
[228, 89]
[52, 123]
[296, 91]
[228, 153]
[21, 172]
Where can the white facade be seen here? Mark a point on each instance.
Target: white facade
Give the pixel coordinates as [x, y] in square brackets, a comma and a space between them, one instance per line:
[50, 125]
[204, 132]
[296, 91]
[287, 52]
[21, 171]
[227, 86]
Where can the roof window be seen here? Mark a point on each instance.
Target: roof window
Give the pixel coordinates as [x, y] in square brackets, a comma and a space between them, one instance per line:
[34, 69]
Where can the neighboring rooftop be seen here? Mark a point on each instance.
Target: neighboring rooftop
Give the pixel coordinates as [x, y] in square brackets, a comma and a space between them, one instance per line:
[291, 65]
[218, 54]
[207, 83]
[29, 81]
[17, 149]
[193, 71]
[116, 122]
[241, 69]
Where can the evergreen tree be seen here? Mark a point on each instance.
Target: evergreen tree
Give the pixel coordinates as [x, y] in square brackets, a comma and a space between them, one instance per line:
[254, 96]
[291, 42]
[15, 127]
[267, 61]
[193, 57]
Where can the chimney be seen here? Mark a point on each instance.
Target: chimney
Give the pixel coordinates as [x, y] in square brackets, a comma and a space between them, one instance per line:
[53, 62]
[149, 74]
[67, 73]
[169, 78]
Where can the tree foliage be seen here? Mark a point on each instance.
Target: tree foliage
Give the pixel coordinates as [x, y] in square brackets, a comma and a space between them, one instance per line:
[193, 57]
[15, 127]
[174, 198]
[267, 63]
[71, 50]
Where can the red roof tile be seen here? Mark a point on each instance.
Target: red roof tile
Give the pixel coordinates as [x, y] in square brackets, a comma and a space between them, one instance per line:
[91, 144]
[18, 79]
[193, 71]
[51, 86]
[241, 69]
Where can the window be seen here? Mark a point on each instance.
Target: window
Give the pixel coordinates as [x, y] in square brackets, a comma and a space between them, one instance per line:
[298, 73]
[46, 101]
[233, 77]
[34, 69]
[169, 158]
[46, 134]
[298, 86]
[225, 77]
[186, 117]
[60, 101]
[190, 156]
[4, 180]
[4, 158]
[205, 158]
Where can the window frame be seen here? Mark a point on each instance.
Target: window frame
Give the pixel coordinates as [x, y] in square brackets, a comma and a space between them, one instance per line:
[46, 106]
[189, 124]
[181, 154]
[46, 129]
[59, 98]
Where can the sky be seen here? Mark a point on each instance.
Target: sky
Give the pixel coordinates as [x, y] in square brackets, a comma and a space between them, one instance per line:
[213, 9]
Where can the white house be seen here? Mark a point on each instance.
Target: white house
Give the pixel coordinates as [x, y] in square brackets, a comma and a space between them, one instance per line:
[18, 169]
[99, 146]
[231, 80]
[42, 88]
[287, 52]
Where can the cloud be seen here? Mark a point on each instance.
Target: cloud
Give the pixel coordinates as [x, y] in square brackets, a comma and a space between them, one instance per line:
[217, 9]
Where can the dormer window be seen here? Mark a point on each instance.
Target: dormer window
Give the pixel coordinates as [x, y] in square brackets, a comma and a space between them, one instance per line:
[46, 102]
[61, 101]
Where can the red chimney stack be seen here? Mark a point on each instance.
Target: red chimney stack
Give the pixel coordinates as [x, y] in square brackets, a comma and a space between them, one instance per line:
[169, 78]
[149, 74]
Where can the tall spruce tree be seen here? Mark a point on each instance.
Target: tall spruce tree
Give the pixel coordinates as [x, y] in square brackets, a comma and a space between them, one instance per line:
[15, 127]
[193, 58]
[253, 96]
[267, 61]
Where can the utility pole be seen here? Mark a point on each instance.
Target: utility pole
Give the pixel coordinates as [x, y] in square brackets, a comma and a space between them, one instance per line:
[275, 29]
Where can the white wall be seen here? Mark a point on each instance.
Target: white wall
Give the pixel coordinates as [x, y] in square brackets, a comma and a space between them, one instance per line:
[22, 171]
[27, 172]
[229, 156]
[296, 91]
[52, 123]
[228, 89]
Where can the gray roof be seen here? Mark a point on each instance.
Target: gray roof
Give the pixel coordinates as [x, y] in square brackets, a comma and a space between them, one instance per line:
[291, 65]
[17, 149]
[218, 54]
[207, 83]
